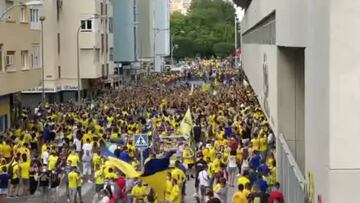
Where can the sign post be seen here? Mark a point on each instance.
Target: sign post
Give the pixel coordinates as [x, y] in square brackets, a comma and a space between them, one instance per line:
[141, 143]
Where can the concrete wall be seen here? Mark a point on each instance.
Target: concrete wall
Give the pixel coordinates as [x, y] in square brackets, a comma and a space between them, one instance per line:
[344, 100]
[253, 64]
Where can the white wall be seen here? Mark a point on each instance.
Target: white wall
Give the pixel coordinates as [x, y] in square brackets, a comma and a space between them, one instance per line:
[253, 61]
[317, 96]
[344, 97]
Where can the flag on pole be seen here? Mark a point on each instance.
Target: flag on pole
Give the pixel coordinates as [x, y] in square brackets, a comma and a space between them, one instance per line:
[186, 125]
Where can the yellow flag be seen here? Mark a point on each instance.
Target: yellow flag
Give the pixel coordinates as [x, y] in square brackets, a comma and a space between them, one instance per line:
[205, 87]
[157, 183]
[186, 125]
[124, 167]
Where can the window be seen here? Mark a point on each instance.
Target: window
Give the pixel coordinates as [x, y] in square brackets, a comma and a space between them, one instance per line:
[9, 59]
[111, 55]
[22, 14]
[35, 56]
[106, 12]
[103, 70]
[34, 18]
[107, 43]
[1, 58]
[8, 4]
[86, 25]
[97, 55]
[101, 9]
[58, 43]
[3, 123]
[59, 72]
[107, 70]
[102, 43]
[24, 59]
[110, 25]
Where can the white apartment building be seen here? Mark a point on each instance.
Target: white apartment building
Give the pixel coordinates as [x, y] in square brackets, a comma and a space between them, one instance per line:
[302, 59]
[64, 18]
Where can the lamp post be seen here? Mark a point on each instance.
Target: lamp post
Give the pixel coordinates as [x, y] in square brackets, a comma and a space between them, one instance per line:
[42, 19]
[78, 55]
[30, 3]
[174, 46]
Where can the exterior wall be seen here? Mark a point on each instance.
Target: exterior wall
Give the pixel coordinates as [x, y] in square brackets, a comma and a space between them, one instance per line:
[254, 58]
[17, 36]
[124, 35]
[325, 31]
[344, 74]
[146, 41]
[60, 44]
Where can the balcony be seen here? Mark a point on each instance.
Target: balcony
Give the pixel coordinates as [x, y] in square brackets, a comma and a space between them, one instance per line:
[88, 40]
[242, 3]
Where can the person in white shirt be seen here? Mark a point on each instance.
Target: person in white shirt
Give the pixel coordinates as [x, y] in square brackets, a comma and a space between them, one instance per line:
[77, 143]
[45, 156]
[204, 182]
[87, 146]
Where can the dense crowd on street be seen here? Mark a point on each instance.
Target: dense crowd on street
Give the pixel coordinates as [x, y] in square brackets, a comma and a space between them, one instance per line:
[231, 146]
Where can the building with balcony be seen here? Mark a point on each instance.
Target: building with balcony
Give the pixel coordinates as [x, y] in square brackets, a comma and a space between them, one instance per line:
[301, 58]
[64, 19]
[20, 59]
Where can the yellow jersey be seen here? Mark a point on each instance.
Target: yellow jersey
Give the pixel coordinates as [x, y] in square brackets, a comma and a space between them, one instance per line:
[73, 178]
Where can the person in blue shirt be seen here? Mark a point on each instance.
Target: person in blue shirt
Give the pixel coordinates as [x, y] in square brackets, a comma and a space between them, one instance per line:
[124, 155]
[261, 183]
[263, 168]
[4, 182]
[255, 160]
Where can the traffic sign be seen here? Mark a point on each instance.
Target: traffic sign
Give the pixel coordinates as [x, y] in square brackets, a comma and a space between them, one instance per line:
[141, 141]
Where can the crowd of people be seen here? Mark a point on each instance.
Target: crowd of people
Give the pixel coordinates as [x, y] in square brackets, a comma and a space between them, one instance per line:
[232, 145]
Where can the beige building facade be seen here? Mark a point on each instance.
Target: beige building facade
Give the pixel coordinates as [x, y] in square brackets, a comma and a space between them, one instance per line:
[64, 18]
[20, 57]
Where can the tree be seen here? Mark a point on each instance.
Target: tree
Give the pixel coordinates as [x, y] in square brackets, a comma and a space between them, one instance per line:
[208, 23]
[223, 49]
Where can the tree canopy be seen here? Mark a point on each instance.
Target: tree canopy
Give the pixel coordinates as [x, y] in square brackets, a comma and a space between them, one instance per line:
[207, 29]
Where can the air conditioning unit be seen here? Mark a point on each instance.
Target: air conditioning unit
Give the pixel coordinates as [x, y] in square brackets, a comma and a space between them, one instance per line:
[59, 3]
[8, 60]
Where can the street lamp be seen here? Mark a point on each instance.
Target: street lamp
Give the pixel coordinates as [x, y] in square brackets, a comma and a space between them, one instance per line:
[78, 55]
[174, 46]
[157, 31]
[42, 19]
[29, 3]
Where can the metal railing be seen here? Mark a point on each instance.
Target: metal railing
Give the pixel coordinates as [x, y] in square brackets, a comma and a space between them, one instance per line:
[291, 179]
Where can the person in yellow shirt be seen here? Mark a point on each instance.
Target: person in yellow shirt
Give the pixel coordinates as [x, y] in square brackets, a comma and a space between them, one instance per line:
[239, 196]
[73, 158]
[99, 178]
[15, 178]
[110, 174]
[255, 143]
[188, 157]
[175, 196]
[25, 173]
[7, 151]
[74, 180]
[243, 180]
[168, 187]
[178, 174]
[139, 192]
[263, 144]
[52, 161]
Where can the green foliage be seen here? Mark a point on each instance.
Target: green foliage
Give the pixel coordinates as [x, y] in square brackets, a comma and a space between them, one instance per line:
[205, 31]
[223, 49]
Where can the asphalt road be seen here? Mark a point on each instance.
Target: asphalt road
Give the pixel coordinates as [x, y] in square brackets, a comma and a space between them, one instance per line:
[88, 193]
